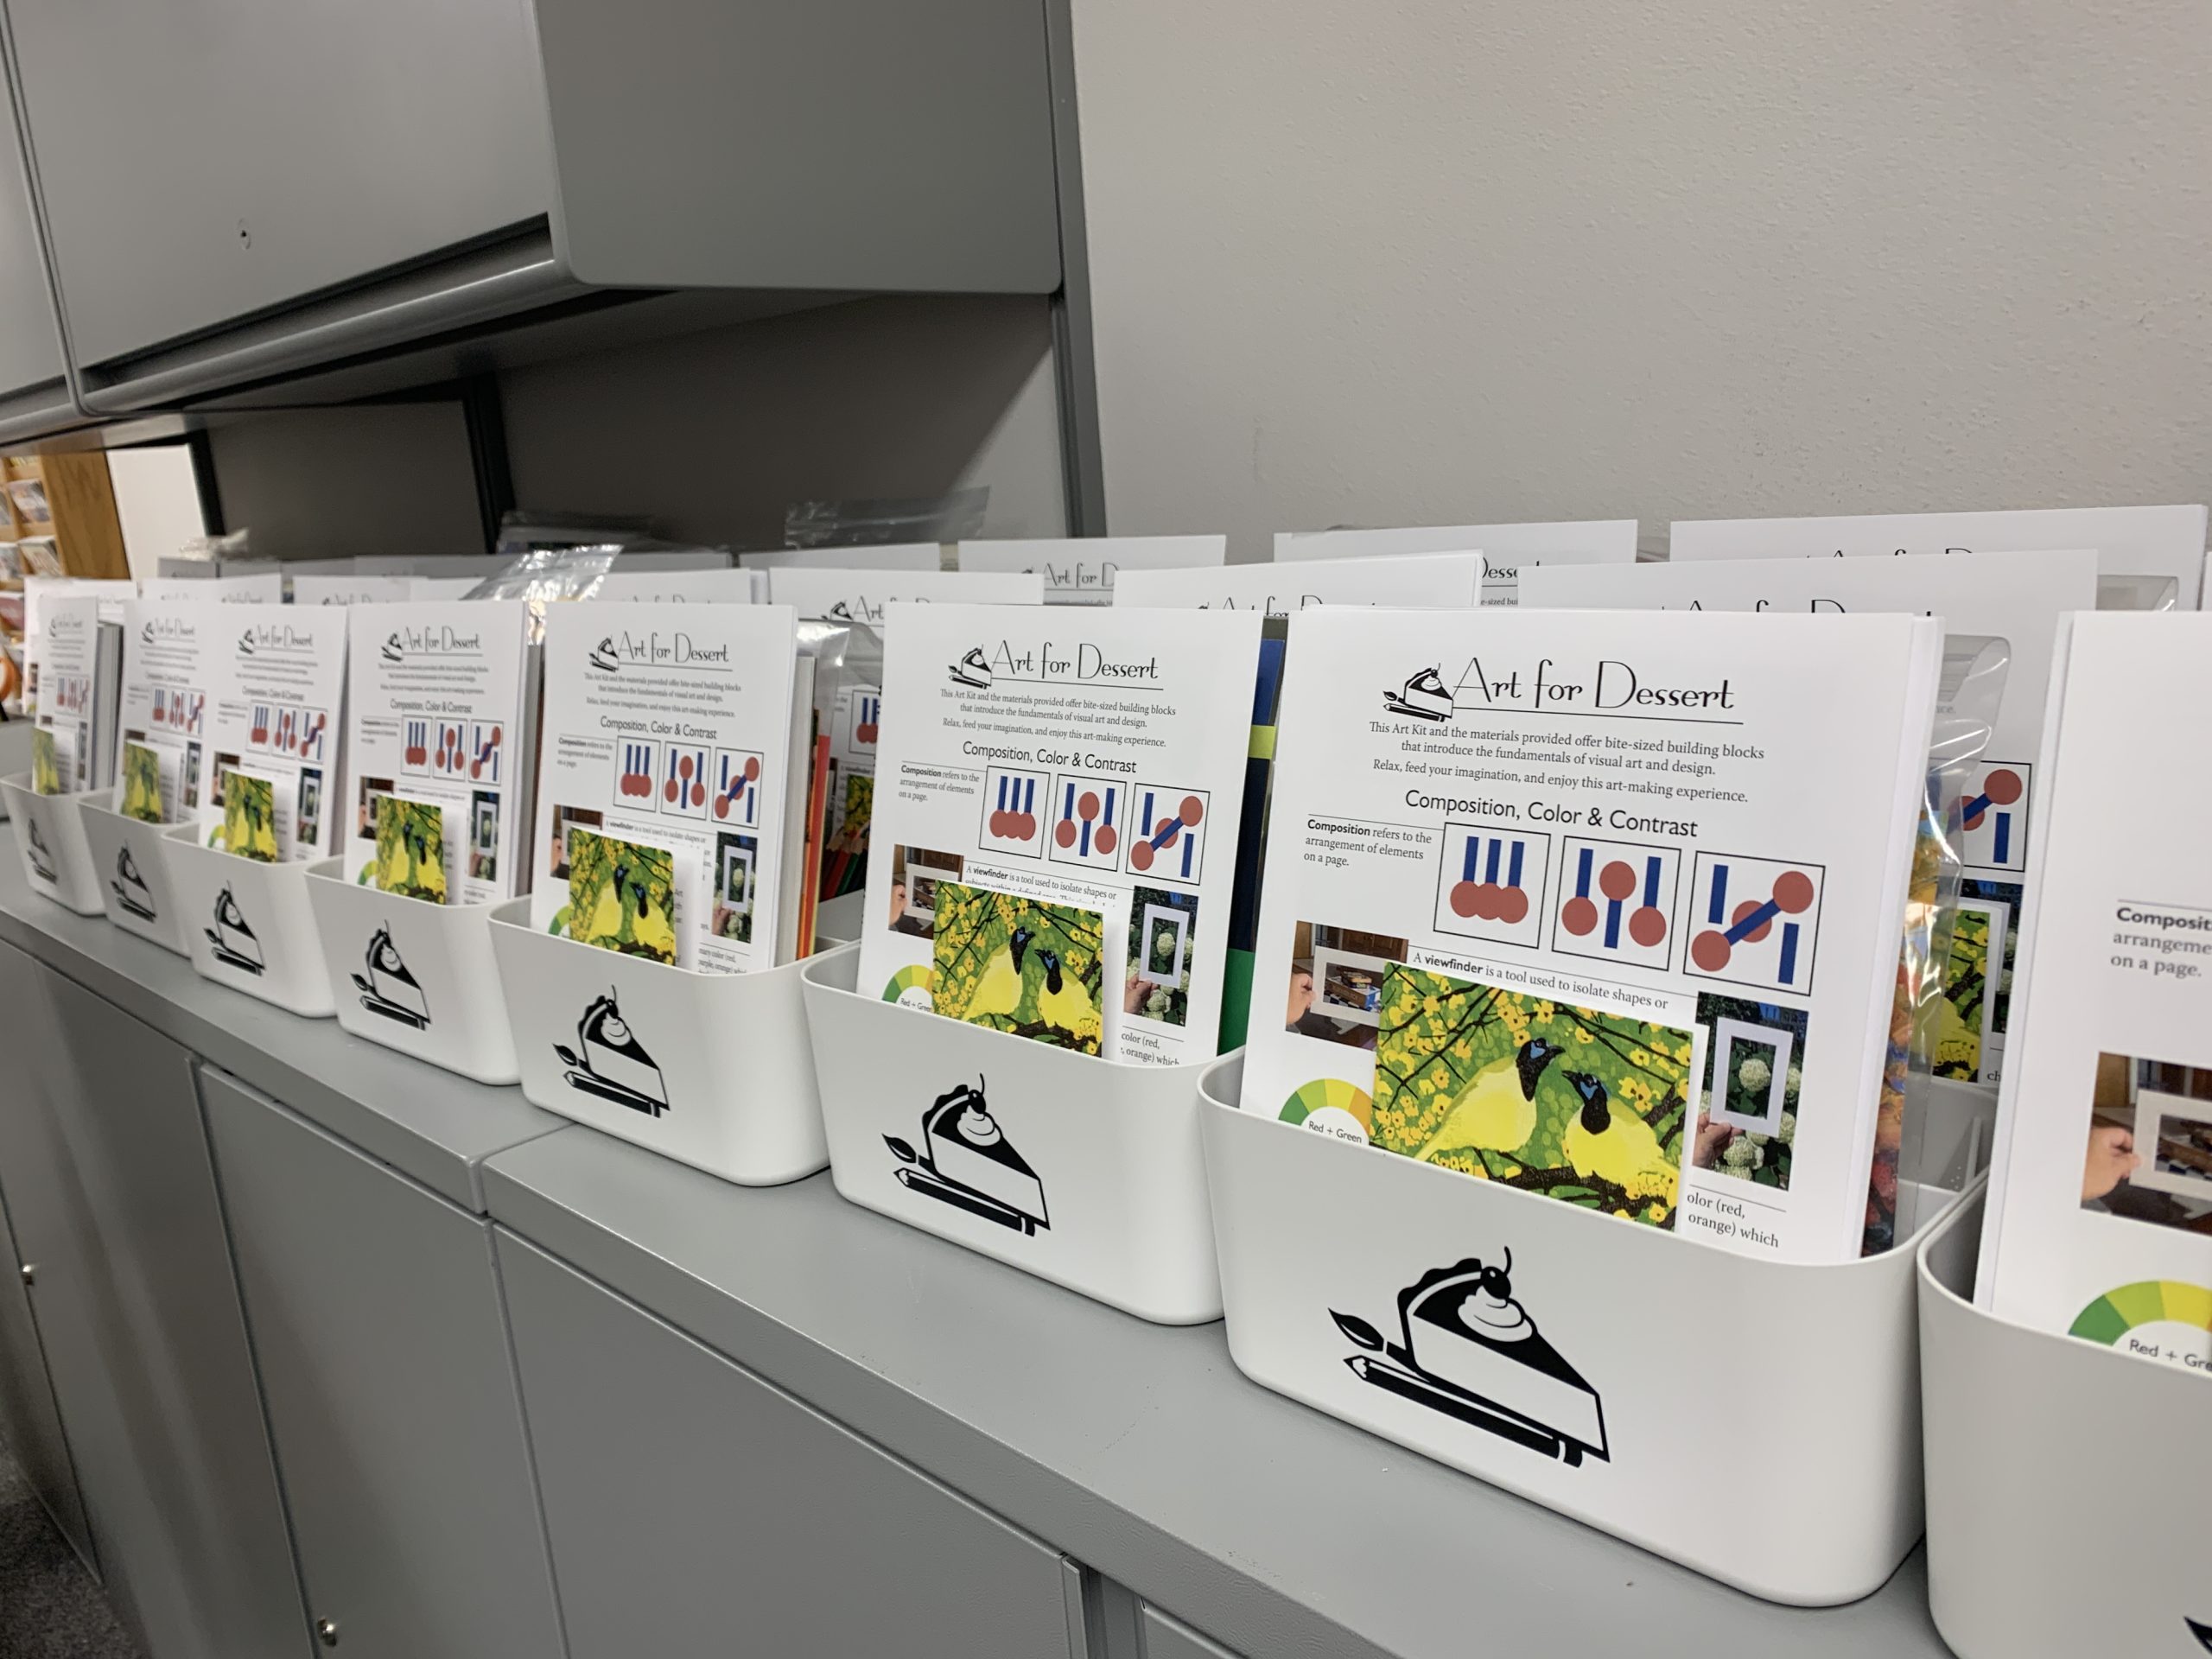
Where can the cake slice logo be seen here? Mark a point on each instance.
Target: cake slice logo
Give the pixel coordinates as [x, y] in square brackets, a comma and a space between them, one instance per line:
[2202, 1632]
[967, 1162]
[1467, 1348]
[35, 849]
[609, 1061]
[971, 671]
[1424, 696]
[388, 989]
[130, 887]
[231, 938]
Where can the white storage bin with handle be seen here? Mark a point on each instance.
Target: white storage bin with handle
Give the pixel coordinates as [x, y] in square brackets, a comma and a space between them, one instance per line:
[133, 871]
[1757, 1421]
[50, 836]
[248, 925]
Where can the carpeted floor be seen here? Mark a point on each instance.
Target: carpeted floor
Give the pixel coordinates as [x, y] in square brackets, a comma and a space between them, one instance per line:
[50, 1607]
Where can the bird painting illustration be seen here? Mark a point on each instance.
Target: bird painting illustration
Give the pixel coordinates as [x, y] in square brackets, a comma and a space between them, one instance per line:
[1019, 965]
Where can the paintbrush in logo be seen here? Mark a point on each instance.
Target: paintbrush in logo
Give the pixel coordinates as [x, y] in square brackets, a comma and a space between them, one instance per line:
[1425, 696]
[388, 989]
[234, 942]
[614, 1063]
[130, 887]
[967, 1162]
[972, 670]
[1468, 1349]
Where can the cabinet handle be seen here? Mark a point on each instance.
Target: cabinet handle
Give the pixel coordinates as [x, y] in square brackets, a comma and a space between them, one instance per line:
[30, 1274]
[326, 1631]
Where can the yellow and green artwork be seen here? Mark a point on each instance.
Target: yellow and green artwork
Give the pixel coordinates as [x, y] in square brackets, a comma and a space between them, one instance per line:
[249, 816]
[621, 896]
[1532, 1092]
[141, 783]
[1017, 965]
[410, 848]
[46, 763]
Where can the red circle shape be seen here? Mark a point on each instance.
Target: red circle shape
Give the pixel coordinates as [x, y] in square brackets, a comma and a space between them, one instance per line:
[1140, 855]
[1710, 951]
[1462, 899]
[495, 735]
[1064, 832]
[684, 767]
[998, 825]
[1617, 880]
[1106, 840]
[668, 790]
[1025, 824]
[2002, 786]
[1489, 901]
[1086, 805]
[752, 767]
[722, 806]
[1793, 891]
[1512, 905]
[1648, 926]
[1578, 916]
[698, 794]
[1193, 809]
[1748, 908]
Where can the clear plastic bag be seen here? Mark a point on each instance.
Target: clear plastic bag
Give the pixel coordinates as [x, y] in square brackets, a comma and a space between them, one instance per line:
[1975, 668]
[847, 671]
[2137, 593]
[546, 575]
[939, 518]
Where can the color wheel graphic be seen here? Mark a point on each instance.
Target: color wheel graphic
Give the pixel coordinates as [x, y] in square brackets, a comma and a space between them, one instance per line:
[2153, 1301]
[913, 977]
[1325, 1092]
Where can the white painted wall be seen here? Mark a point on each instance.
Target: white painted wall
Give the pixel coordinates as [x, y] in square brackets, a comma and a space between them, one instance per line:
[1441, 261]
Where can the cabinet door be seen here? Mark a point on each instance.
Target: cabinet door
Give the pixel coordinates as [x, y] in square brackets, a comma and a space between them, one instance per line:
[30, 1424]
[202, 159]
[1168, 1638]
[113, 1196]
[30, 343]
[695, 1509]
[375, 1316]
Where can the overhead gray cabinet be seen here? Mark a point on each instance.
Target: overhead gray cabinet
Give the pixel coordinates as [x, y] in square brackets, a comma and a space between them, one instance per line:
[33, 388]
[30, 1424]
[375, 1314]
[695, 1509]
[112, 1196]
[239, 192]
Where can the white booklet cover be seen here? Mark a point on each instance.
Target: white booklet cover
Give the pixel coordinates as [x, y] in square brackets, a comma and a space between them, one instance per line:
[440, 701]
[2001, 792]
[1507, 548]
[672, 729]
[859, 595]
[1448, 579]
[166, 674]
[68, 704]
[2129, 541]
[257, 587]
[276, 708]
[1579, 901]
[37, 590]
[2100, 1217]
[1057, 811]
[1083, 569]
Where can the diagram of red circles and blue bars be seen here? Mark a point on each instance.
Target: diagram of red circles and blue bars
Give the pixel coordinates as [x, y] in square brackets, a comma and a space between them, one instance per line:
[258, 731]
[485, 744]
[1170, 841]
[640, 767]
[1754, 921]
[1015, 804]
[1992, 813]
[415, 754]
[736, 797]
[1088, 822]
[450, 759]
[684, 781]
[1617, 901]
[867, 717]
[1492, 885]
[315, 726]
[285, 734]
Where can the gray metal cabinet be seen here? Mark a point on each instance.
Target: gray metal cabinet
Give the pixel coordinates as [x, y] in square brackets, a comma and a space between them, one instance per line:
[30, 1423]
[1168, 1638]
[204, 160]
[33, 388]
[695, 1508]
[374, 1311]
[113, 1196]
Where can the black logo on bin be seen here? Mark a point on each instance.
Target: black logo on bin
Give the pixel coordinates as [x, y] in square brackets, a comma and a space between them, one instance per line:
[130, 887]
[611, 1062]
[1467, 1348]
[35, 848]
[967, 1162]
[233, 941]
[388, 989]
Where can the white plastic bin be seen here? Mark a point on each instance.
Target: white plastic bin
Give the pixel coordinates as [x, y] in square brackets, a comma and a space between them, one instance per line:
[248, 925]
[1757, 1422]
[413, 975]
[133, 872]
[2067, 1483]
[711, 1070]
[50, 833]
[1085, 1172]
